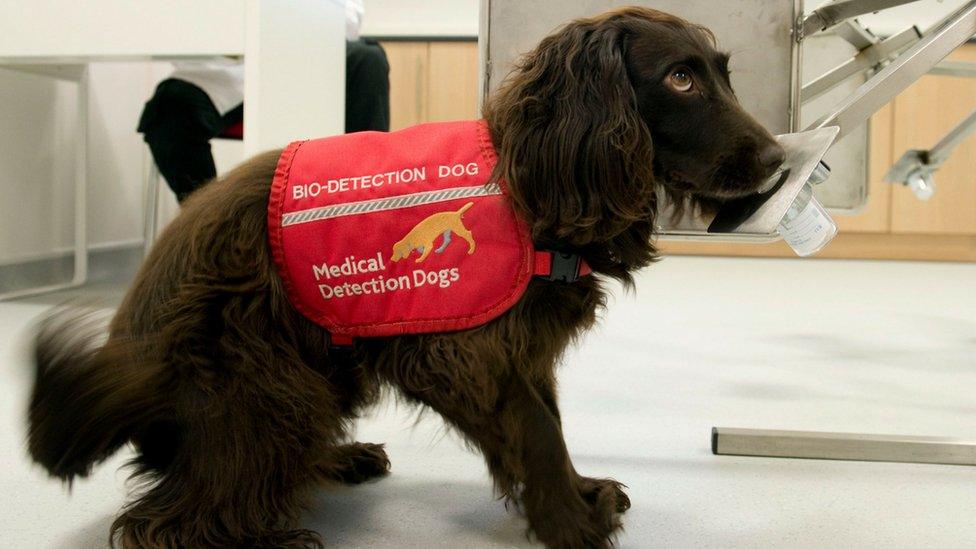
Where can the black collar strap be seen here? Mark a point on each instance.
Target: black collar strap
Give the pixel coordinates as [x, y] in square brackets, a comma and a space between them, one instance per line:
[560, 267]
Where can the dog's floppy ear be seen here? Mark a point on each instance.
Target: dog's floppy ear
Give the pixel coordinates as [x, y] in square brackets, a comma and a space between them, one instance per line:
[575, 153]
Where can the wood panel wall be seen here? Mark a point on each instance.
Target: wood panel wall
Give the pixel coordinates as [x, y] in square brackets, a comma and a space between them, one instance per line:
[432, 81]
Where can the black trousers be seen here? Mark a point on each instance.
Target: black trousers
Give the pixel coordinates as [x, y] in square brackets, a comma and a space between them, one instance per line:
[367, 87]
[179, 120]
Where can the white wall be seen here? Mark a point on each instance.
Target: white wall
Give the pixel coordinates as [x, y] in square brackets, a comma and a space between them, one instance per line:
[421, 17]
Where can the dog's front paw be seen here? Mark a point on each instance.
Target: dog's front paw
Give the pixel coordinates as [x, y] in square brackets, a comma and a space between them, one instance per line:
[588, 521]
[607, 501]
[604, 492]
[593, 530]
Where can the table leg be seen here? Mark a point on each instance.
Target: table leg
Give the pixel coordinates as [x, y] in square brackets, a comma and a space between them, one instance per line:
[79, 75]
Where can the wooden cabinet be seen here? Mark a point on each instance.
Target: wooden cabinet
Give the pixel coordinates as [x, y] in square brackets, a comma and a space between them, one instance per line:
[453, 91]
[438, 80]
[409, 68]
[432, 81]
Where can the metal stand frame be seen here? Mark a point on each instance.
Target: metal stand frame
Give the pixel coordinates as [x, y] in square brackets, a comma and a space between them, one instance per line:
[923, 56]
[79, 75]
[872, 56]
[903, 71]
[839, 11]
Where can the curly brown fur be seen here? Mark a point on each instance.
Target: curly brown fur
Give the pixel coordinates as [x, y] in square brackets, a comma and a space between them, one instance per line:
[238, 408]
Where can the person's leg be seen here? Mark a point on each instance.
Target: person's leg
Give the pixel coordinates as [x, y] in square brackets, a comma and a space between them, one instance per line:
[367, 87]
[178, 123]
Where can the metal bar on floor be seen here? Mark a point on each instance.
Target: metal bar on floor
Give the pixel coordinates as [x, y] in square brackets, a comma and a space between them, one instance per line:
[842, 446]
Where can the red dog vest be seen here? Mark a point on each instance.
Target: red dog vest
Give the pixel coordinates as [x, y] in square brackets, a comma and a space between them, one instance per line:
[381, 234]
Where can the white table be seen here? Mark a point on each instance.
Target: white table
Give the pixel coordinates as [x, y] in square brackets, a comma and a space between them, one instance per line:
[294, 52]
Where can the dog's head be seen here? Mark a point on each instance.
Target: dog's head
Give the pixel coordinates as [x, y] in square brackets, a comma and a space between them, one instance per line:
[705, 145]
[607, 108]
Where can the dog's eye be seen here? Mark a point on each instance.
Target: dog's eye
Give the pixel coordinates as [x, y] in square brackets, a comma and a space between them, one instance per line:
[680, 80]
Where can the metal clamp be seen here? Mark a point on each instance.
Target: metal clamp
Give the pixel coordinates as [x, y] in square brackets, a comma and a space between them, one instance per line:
[916, 168]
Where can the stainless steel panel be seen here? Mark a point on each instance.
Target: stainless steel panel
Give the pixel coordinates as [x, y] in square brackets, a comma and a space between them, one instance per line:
[758, 33]
[847, 188]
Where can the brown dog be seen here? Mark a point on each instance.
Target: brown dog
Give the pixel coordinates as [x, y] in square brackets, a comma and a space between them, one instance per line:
[236, 405]
[422, 236]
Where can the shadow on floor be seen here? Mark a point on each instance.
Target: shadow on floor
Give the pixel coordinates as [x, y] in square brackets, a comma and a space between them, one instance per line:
[397, 512]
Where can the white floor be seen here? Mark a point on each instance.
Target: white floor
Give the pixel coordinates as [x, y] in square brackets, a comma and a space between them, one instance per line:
[885, 348]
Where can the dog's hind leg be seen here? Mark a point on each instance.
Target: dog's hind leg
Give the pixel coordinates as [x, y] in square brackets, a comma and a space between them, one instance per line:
[217, 498]
[251, 420]
[245, 462]
[238, 479]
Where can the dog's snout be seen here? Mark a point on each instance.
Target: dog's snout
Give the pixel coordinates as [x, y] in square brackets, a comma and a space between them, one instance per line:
[772, 156]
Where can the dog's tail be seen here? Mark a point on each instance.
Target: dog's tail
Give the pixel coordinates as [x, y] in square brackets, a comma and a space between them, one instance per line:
[88, 398]
[465, 208]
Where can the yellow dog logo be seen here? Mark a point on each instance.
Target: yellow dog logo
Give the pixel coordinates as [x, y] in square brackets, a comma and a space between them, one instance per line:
[421, 237]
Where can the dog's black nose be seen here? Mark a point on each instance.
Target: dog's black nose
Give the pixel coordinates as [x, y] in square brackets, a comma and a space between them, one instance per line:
[771, 156]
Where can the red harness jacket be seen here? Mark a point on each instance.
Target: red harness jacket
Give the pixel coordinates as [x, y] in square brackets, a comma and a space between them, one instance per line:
[381, 234]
